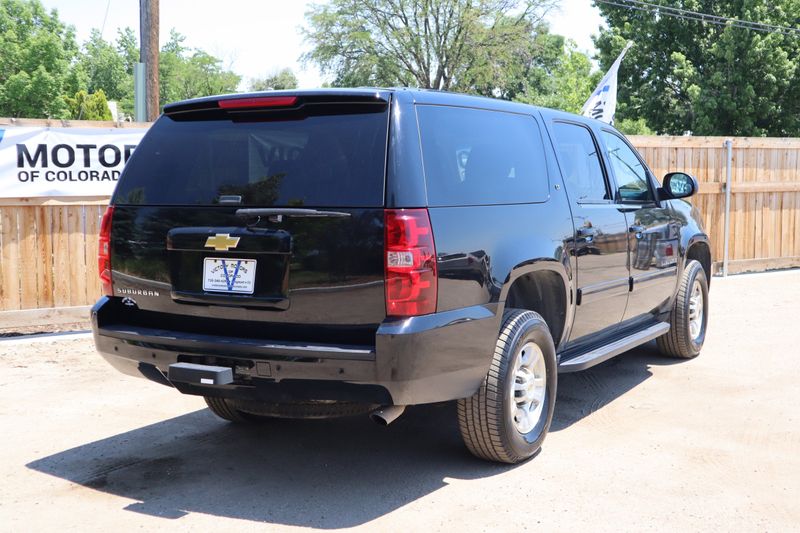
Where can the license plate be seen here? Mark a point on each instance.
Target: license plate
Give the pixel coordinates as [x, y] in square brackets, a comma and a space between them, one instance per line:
[229, 275]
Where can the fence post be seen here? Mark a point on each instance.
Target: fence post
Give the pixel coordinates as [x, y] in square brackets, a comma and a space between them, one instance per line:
[727, 234]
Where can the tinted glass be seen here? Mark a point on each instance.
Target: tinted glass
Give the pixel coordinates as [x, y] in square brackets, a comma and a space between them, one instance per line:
[477, 157]
[316, 161]
[629, 171]
[580, 163]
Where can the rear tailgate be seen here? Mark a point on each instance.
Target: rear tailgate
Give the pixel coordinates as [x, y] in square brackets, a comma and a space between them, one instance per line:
[269, 215]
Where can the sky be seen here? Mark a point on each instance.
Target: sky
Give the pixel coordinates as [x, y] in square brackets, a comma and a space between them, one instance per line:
[257, 37]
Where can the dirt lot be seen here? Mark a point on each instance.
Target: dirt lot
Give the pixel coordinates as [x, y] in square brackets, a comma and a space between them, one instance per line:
[639, 443]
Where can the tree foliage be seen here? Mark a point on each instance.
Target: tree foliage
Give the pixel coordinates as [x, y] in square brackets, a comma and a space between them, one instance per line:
[44, 73]
[482, 46]
[278, 80]
[567, 83]
[89, 106]
[684, 75]
[108, 67]
[190, 73]
[36, 51]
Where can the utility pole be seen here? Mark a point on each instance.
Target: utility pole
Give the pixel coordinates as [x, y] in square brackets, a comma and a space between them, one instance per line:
[148, 53]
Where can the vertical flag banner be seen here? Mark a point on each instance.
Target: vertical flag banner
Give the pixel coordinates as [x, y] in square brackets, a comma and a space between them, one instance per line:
[603, 103]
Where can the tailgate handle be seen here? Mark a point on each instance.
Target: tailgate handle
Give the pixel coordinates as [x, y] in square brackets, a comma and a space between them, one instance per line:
[289, 212]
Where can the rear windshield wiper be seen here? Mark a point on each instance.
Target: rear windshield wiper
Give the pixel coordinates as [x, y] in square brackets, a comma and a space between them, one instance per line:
[288, 212]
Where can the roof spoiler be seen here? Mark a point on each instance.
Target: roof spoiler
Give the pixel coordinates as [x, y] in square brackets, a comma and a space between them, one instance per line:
[277, 100]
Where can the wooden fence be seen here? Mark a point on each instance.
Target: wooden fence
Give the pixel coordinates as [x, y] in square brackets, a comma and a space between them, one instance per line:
[49, 246]
[765, 193]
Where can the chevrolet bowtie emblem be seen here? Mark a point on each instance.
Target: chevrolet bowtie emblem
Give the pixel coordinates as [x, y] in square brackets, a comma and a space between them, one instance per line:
[222, 242]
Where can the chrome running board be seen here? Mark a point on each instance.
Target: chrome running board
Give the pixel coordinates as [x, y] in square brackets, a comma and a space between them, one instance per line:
[604, 353]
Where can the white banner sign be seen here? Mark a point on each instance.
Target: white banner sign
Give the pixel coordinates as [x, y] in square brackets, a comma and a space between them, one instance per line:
[63, 161]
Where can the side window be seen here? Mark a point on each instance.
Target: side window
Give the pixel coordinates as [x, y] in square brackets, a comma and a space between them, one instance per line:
[480, 157]
[628, 169]
[580, 164]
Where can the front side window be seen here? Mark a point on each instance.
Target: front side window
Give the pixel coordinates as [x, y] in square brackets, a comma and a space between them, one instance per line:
[580, 163]
[631, 175]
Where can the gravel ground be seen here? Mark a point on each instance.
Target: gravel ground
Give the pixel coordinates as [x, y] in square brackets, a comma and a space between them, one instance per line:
[638, 443]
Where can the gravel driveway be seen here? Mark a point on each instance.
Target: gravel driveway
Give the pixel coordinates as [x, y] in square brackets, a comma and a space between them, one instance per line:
[638, 443]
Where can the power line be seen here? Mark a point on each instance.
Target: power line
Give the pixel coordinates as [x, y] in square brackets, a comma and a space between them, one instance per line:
[660, 7]
[695, 16]
[94, 67]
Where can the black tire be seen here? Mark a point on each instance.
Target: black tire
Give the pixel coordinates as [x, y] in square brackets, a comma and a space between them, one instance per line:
[487, 419]
[679, 341]
[224, 409]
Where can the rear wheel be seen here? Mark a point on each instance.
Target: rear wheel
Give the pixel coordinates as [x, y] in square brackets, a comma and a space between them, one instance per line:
[508, 418]
[224, 409]
[689, 315]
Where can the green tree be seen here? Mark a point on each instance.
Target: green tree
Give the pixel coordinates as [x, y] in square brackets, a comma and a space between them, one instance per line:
[480, 46]
[278, 80]
[687, 75]
[566, 83]
[36, 55]
[89, 106]
[189, 73]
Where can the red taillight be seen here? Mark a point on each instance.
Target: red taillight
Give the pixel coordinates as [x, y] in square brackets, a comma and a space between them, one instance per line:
[104, 251]
[410, 263]
[257, 101]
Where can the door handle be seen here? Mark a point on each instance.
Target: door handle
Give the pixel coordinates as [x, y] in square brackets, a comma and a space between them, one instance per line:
[638, 230]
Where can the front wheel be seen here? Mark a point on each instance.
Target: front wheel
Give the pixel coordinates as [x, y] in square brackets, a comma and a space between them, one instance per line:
[689, 315]
[508, 418]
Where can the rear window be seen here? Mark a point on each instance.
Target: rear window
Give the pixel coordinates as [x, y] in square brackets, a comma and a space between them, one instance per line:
[479, 157]
[331, 160]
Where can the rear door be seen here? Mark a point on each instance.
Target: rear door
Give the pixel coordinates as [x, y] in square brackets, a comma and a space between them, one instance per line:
[264, 214]
[600, 245]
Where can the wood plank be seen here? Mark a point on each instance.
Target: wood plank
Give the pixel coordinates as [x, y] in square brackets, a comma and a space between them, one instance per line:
[61, 257]
[44, 317]
[28, 268]
[56, 200]
[740, 266]
[44, 255]
[77, 251]
[784, 244]
[93, 288]
[738, 205]
[10, 258]
[766, 186]
[58, 123]
[688, 141]
[759, 216]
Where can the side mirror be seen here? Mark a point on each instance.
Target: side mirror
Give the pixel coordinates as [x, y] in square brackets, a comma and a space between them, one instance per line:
[678, 185]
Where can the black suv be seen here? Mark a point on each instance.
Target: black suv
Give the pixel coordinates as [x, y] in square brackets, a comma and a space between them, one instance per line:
[322, 253]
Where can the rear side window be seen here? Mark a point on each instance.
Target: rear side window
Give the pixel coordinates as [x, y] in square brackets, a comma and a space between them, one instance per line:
[332, 160]
[479, 157]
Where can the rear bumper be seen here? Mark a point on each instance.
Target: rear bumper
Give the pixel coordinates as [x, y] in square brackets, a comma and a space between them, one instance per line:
[438, 357]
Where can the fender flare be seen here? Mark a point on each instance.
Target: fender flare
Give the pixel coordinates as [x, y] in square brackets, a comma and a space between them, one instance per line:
[544, 265]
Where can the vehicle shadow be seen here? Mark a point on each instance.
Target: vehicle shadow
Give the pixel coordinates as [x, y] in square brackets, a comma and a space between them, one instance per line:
[316, 473]
[582, 393]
